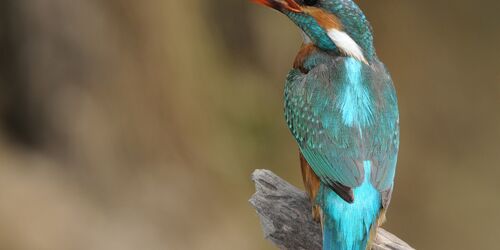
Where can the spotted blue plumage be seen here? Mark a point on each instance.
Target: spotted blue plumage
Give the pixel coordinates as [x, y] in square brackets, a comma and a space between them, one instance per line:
[344, 116]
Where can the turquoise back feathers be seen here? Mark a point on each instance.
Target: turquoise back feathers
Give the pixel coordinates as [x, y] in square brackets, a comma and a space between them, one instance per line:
[342, 113]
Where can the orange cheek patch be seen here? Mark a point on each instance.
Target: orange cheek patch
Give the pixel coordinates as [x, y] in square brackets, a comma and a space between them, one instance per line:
[326, 20]
[293, 6]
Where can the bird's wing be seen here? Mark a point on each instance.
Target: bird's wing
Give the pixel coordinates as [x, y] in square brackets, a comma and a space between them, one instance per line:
[384, 143]
[312, 115]
[334, 150]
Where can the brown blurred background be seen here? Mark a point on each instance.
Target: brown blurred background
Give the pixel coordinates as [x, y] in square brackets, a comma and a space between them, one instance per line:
[136, 124]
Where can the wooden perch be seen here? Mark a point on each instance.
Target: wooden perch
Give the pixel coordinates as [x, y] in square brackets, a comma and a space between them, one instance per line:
[285, 215]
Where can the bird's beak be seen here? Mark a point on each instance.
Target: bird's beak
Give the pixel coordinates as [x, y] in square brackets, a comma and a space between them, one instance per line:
[281, 5]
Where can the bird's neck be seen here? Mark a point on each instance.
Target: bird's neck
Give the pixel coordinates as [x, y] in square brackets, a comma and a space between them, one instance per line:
[310, 55]
[305, 52]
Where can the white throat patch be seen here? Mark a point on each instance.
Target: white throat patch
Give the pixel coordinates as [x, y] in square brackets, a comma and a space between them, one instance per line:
[307, 39]
[346, 44]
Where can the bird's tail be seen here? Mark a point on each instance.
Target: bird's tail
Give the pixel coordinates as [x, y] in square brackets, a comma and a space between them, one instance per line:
[349, 226]
[332, 240]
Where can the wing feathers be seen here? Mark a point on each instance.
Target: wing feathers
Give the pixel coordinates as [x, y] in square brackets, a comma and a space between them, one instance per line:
[334, 150]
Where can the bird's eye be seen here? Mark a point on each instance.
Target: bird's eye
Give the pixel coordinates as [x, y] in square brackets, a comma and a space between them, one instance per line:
[310, 2]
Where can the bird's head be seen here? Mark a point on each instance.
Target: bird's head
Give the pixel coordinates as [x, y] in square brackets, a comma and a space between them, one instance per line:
[337, 26]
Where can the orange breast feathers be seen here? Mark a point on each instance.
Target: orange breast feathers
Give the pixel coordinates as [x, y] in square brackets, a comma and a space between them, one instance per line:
[311, 184]
[304, 52]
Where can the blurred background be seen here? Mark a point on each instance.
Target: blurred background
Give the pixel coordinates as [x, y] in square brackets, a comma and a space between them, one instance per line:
[136, 124]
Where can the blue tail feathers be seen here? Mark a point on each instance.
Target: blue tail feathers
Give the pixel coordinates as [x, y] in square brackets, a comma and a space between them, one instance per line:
[347, 226]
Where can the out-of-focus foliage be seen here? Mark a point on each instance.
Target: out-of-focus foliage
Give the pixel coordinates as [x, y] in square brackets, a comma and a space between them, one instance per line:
[135, 124]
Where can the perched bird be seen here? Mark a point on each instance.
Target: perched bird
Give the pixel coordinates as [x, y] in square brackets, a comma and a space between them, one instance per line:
[341, 107]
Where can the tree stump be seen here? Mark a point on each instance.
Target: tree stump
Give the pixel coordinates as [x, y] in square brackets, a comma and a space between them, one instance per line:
[285, 216]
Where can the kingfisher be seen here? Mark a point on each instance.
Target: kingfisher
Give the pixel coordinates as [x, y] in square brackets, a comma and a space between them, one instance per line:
[341, 107]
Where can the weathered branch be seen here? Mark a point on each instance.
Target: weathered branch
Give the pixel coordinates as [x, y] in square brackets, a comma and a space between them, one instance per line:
[285, 215]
